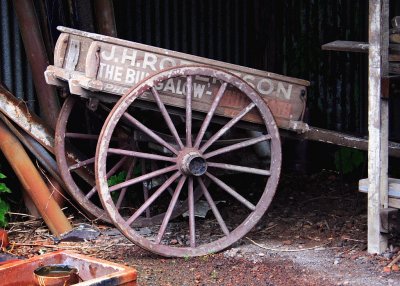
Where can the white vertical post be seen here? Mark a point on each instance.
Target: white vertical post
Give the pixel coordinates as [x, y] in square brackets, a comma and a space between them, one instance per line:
[377, 123]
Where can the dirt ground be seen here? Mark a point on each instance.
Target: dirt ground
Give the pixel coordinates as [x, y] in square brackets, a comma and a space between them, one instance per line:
[314, 233]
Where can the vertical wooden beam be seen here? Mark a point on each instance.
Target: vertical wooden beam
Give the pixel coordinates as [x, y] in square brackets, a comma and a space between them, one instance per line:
[377, 123]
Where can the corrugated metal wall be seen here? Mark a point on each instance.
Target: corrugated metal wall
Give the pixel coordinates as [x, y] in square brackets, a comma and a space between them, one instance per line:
[278, 36]
[15, 72]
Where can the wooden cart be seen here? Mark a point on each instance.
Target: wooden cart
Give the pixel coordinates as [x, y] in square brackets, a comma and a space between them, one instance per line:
[165, 132]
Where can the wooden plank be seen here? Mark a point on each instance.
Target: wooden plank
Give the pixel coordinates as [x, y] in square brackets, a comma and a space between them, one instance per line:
[394, 191]
[358, 47]
[182, 56]
[394, 203]
[394, 187]
[95, 64]
[115, 69]
[377, 155]
[337, 138]
[346, 46]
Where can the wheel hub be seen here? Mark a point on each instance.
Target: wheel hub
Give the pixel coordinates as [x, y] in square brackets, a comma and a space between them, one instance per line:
[191, 162]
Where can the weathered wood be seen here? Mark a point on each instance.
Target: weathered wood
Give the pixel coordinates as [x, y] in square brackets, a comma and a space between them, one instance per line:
[393, 193]
[394, 68]
[377, 123]
[338, 138]
[393, 187]
[357, 47]
[346, 46]
[111, 66]
[395, 36]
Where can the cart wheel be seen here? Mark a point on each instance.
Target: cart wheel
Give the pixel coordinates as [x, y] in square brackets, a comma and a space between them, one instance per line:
[78, 127]
[197, 160]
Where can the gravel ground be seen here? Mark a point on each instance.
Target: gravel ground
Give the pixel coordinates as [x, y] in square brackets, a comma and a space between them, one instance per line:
[313, 234]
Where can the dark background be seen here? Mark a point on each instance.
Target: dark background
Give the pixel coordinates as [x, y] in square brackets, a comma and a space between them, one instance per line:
[281, 36]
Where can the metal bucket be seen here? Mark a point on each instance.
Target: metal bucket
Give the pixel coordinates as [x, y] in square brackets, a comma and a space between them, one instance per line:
[56, 275]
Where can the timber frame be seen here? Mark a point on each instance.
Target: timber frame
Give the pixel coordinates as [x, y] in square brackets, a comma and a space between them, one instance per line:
[382, 194]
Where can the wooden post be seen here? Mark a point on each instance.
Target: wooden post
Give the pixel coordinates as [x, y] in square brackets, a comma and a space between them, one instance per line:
[377, 123]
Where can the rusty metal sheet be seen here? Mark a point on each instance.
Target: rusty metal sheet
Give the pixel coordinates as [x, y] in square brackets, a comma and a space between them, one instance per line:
[18, 113]
[113, 65]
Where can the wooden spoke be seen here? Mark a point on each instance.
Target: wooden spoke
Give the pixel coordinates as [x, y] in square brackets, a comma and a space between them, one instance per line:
[166, 116]
[140, 155]
[149, 132]
[81, 136]
[153, 197]
[210, 114]
[227, 126]
[237, 168]
[189, 89]
[82, 164]
[213, 207]
[237, 146]
[232, 192]
[143, 178]
[109, 174]
[192, 226]
[84, 136]
[170, 209]
[128, 176]
[145, 186]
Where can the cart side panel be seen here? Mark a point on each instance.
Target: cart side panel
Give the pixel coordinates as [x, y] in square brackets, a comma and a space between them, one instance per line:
[69, 59]
[114, 69]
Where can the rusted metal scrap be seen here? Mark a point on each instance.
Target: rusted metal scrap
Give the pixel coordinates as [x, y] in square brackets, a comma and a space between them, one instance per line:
[19, 113]
[33, 182]
[16, 110]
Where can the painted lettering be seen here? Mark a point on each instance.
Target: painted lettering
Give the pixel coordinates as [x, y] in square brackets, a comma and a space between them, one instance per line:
[150, 60]
[249, 79]
[198, 90]
[167, 63]
[130, 76]
[178, 87]
[285, 92]
[265, 86]
[118, 74]
[169, 86]
[131, 57]
[109, 71]
[159, 86]
[110, 56]
[101, 69]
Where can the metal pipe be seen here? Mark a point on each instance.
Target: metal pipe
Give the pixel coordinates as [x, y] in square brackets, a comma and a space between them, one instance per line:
[32, 182]
[40, 153]
[37, 57]
[105, 20]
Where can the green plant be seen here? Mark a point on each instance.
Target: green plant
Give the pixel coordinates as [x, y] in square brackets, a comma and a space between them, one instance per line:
[348, 160]
[116, 179]
[4, 206]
